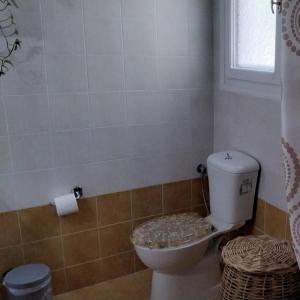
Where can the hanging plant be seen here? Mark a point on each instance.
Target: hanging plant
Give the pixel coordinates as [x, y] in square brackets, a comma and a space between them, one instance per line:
[9, 41]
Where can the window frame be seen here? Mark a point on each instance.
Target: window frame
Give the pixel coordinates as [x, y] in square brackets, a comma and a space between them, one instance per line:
[252, 82]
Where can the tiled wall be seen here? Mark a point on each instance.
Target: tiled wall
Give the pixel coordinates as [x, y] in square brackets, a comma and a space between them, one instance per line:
[110, 94]
[92, 245]
[272, 221]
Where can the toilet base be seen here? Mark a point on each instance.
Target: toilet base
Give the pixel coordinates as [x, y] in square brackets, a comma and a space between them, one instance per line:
[199, 283]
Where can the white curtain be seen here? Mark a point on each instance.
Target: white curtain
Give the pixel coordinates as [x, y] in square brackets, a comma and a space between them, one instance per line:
[291, 113]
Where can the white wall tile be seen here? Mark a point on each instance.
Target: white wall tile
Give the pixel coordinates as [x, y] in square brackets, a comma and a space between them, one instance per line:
[199, 10]
[172, 38]
[173, 10]
[201, 105]
[139, 37]
[102, 9]
[200, 34]
[70, 112]
[176, 106]
[107, 108]
[27, 114]
[140, 73]
[173, 72]
[66, 73]
[199, 72]
[145, 171]
[31, 152]
[3, 126]
[109, 143]
[144, 107]
[144, 140]
[138, 9]
[105, 73]
[71, 148]
[110, 176]
[5, 159]
[64, 34]
[176, 137]
[7, 194]
[29, 6]
[34, 188]
[103, 36]
[176, 166]
[62, 7]
[151, 170]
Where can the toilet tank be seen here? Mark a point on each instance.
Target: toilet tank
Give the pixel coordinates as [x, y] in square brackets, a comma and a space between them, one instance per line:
[232, 179]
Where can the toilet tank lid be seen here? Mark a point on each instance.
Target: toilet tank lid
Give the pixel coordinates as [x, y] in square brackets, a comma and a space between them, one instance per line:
[233, 161]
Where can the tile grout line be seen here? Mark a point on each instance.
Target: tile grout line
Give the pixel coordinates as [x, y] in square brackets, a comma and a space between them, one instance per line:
[12, 164]
[21, 237]
[97, 259]
[191, 198]
[68, 166]
[131, 218]
[87, 85]
[63, 254]
[163, 199]
[264, 214]
[104, 126]
[98, 199]
[44, 56]
[204, 91]
[61, 235]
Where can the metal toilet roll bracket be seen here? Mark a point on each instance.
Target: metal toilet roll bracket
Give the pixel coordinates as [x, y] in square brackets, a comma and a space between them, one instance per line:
[77, 190]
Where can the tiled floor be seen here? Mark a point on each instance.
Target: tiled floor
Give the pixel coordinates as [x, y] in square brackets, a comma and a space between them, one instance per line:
[131, 287]
[136, 286]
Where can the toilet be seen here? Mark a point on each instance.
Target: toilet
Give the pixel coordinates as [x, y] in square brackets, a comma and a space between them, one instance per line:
[182, 249]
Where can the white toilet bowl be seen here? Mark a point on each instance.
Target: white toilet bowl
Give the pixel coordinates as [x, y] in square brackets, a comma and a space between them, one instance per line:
[187, 272]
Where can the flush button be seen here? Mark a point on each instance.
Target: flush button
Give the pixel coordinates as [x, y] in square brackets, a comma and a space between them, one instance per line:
[246, 187]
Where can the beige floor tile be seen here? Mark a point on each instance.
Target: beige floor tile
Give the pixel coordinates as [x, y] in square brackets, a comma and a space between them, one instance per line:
[131, 287]
[128, 289]
[94, 292]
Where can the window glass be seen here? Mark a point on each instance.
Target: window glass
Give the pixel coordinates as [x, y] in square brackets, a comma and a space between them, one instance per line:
[253, 35]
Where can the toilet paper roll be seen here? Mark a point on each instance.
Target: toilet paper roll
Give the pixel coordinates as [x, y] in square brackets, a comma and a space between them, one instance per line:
[66, 205]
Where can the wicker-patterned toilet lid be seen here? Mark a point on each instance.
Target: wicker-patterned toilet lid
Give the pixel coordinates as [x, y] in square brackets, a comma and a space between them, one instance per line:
[171, 231]
[259, 254]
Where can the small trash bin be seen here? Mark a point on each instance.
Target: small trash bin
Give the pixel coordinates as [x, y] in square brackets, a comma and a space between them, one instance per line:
[28, 282]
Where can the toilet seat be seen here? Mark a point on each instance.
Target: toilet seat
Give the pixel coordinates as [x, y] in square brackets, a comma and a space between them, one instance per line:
[172, 231]
[178, 231]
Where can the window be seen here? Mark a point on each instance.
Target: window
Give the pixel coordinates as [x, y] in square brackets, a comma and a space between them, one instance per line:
[253, 35]
[249, 48]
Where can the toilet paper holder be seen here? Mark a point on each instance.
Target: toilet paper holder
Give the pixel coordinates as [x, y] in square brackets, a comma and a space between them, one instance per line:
[78, 193]
[77, 190]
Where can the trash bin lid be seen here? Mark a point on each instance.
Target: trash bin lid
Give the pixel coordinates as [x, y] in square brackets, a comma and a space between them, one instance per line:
[26, 276]
[259, 254]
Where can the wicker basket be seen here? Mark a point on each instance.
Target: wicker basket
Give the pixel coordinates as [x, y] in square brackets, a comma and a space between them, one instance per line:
[259, 268]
